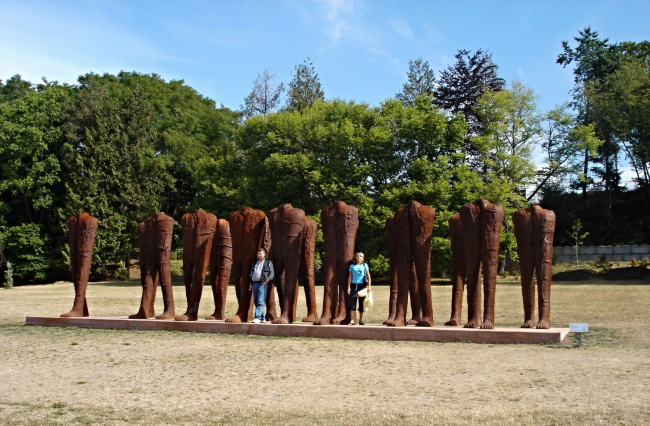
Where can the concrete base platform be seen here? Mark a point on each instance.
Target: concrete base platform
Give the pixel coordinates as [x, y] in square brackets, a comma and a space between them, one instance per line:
[366, 332]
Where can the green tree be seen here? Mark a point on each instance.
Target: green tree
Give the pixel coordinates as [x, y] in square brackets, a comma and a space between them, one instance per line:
[14, 88]
[512, 129]
[420, 81]
[564, 140]
[265, 96]
[304, 88]
[462, 84]
[109, 171]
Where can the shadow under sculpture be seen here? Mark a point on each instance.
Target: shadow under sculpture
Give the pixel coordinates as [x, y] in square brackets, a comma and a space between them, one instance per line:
[340, 223]
[250, 231]
[293, 237]
[481, 225]
[82, 229]
[534, 230]
[409, 240]
[197, 232]
[458, 269]
[155, 242]
[220, 266]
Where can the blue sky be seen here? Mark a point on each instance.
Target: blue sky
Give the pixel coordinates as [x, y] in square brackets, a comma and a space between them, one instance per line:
[359, 48]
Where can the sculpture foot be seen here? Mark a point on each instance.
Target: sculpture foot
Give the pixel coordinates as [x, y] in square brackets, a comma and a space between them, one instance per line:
[234, 319]
[413, 321]
[425, 323]
[339, 320]
[186, 317]
[453, 322]
[396, 323]
[165, 316]
[544, 324]
[214, 316]
[281, 320]
[527, 324]
[270, 316]
[310, 318]
[324, 320]
[472, 324]
[74, 314]
[139, 315]
[487, 325]
[389, 319]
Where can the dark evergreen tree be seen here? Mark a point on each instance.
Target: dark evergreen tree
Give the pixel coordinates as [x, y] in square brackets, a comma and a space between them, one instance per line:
[304, 88]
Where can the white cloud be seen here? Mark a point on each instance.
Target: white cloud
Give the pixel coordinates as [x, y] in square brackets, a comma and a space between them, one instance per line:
[401, 27]
[338, 14]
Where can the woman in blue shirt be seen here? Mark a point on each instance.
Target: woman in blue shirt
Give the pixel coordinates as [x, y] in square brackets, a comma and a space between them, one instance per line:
[358, 279]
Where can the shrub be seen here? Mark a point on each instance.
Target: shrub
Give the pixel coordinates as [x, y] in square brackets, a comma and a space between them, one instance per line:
[9, 276]
[176, 268]
[634, 263]
[603, 264]
[122, 273]
[645, 262]
[379, 266]
[25, 248]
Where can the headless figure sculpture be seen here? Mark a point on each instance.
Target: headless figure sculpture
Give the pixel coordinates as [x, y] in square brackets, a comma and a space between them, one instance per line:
[481, 222]
[220, 264]
[250, 231]
[409, 240]
[155, 241]
[534, 229]
[82, 229]
[198, 231]
[340, 223]
[458, 269]
[293, 239]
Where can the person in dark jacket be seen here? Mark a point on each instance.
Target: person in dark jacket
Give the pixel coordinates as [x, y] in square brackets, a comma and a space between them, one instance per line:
[261, 273]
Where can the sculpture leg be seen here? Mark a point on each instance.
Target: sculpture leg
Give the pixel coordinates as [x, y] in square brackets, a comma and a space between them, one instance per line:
[414, 297]
[164, 229]
[330, 289]
[458, 270]
[543, 232]
[203, 235]
[307, 267]
[145, 244]
[421, 219]
[81, 234]
[491, 224]
[293, 223]
[253, 233]
[347, 223]
[220, 267]
[403, 266]
[523, 223]
[393, 256]
[276, 255]
[470, 219]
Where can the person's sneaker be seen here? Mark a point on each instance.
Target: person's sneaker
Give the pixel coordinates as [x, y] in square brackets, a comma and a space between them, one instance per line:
[263, 321]
[362, 323]
[351, 323]
[256, 321]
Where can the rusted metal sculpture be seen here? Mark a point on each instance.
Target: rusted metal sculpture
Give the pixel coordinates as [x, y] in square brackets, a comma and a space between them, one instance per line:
[220, 266]
[409, 239]
[458, 269]
[481, 222]
[155, 242]
[534, 230]
[340, 223]
[250, 231]
[197, 232]
[293, 237]
[82, 229]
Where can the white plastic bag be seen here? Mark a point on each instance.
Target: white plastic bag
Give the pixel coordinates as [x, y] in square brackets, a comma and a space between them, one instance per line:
[368, 302]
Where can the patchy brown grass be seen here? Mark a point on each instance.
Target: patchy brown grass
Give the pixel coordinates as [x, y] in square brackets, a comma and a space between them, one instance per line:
[79, 376]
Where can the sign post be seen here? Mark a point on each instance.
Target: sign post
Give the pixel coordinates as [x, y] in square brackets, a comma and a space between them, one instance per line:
[578, 328]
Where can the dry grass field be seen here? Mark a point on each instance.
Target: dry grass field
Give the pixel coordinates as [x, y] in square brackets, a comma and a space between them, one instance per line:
[79, 376]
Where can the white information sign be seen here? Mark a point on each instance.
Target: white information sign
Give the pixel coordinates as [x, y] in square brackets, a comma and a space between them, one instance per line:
[578, 327]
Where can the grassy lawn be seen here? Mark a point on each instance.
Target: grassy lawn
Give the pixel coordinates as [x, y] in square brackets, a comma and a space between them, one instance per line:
[78, 376]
